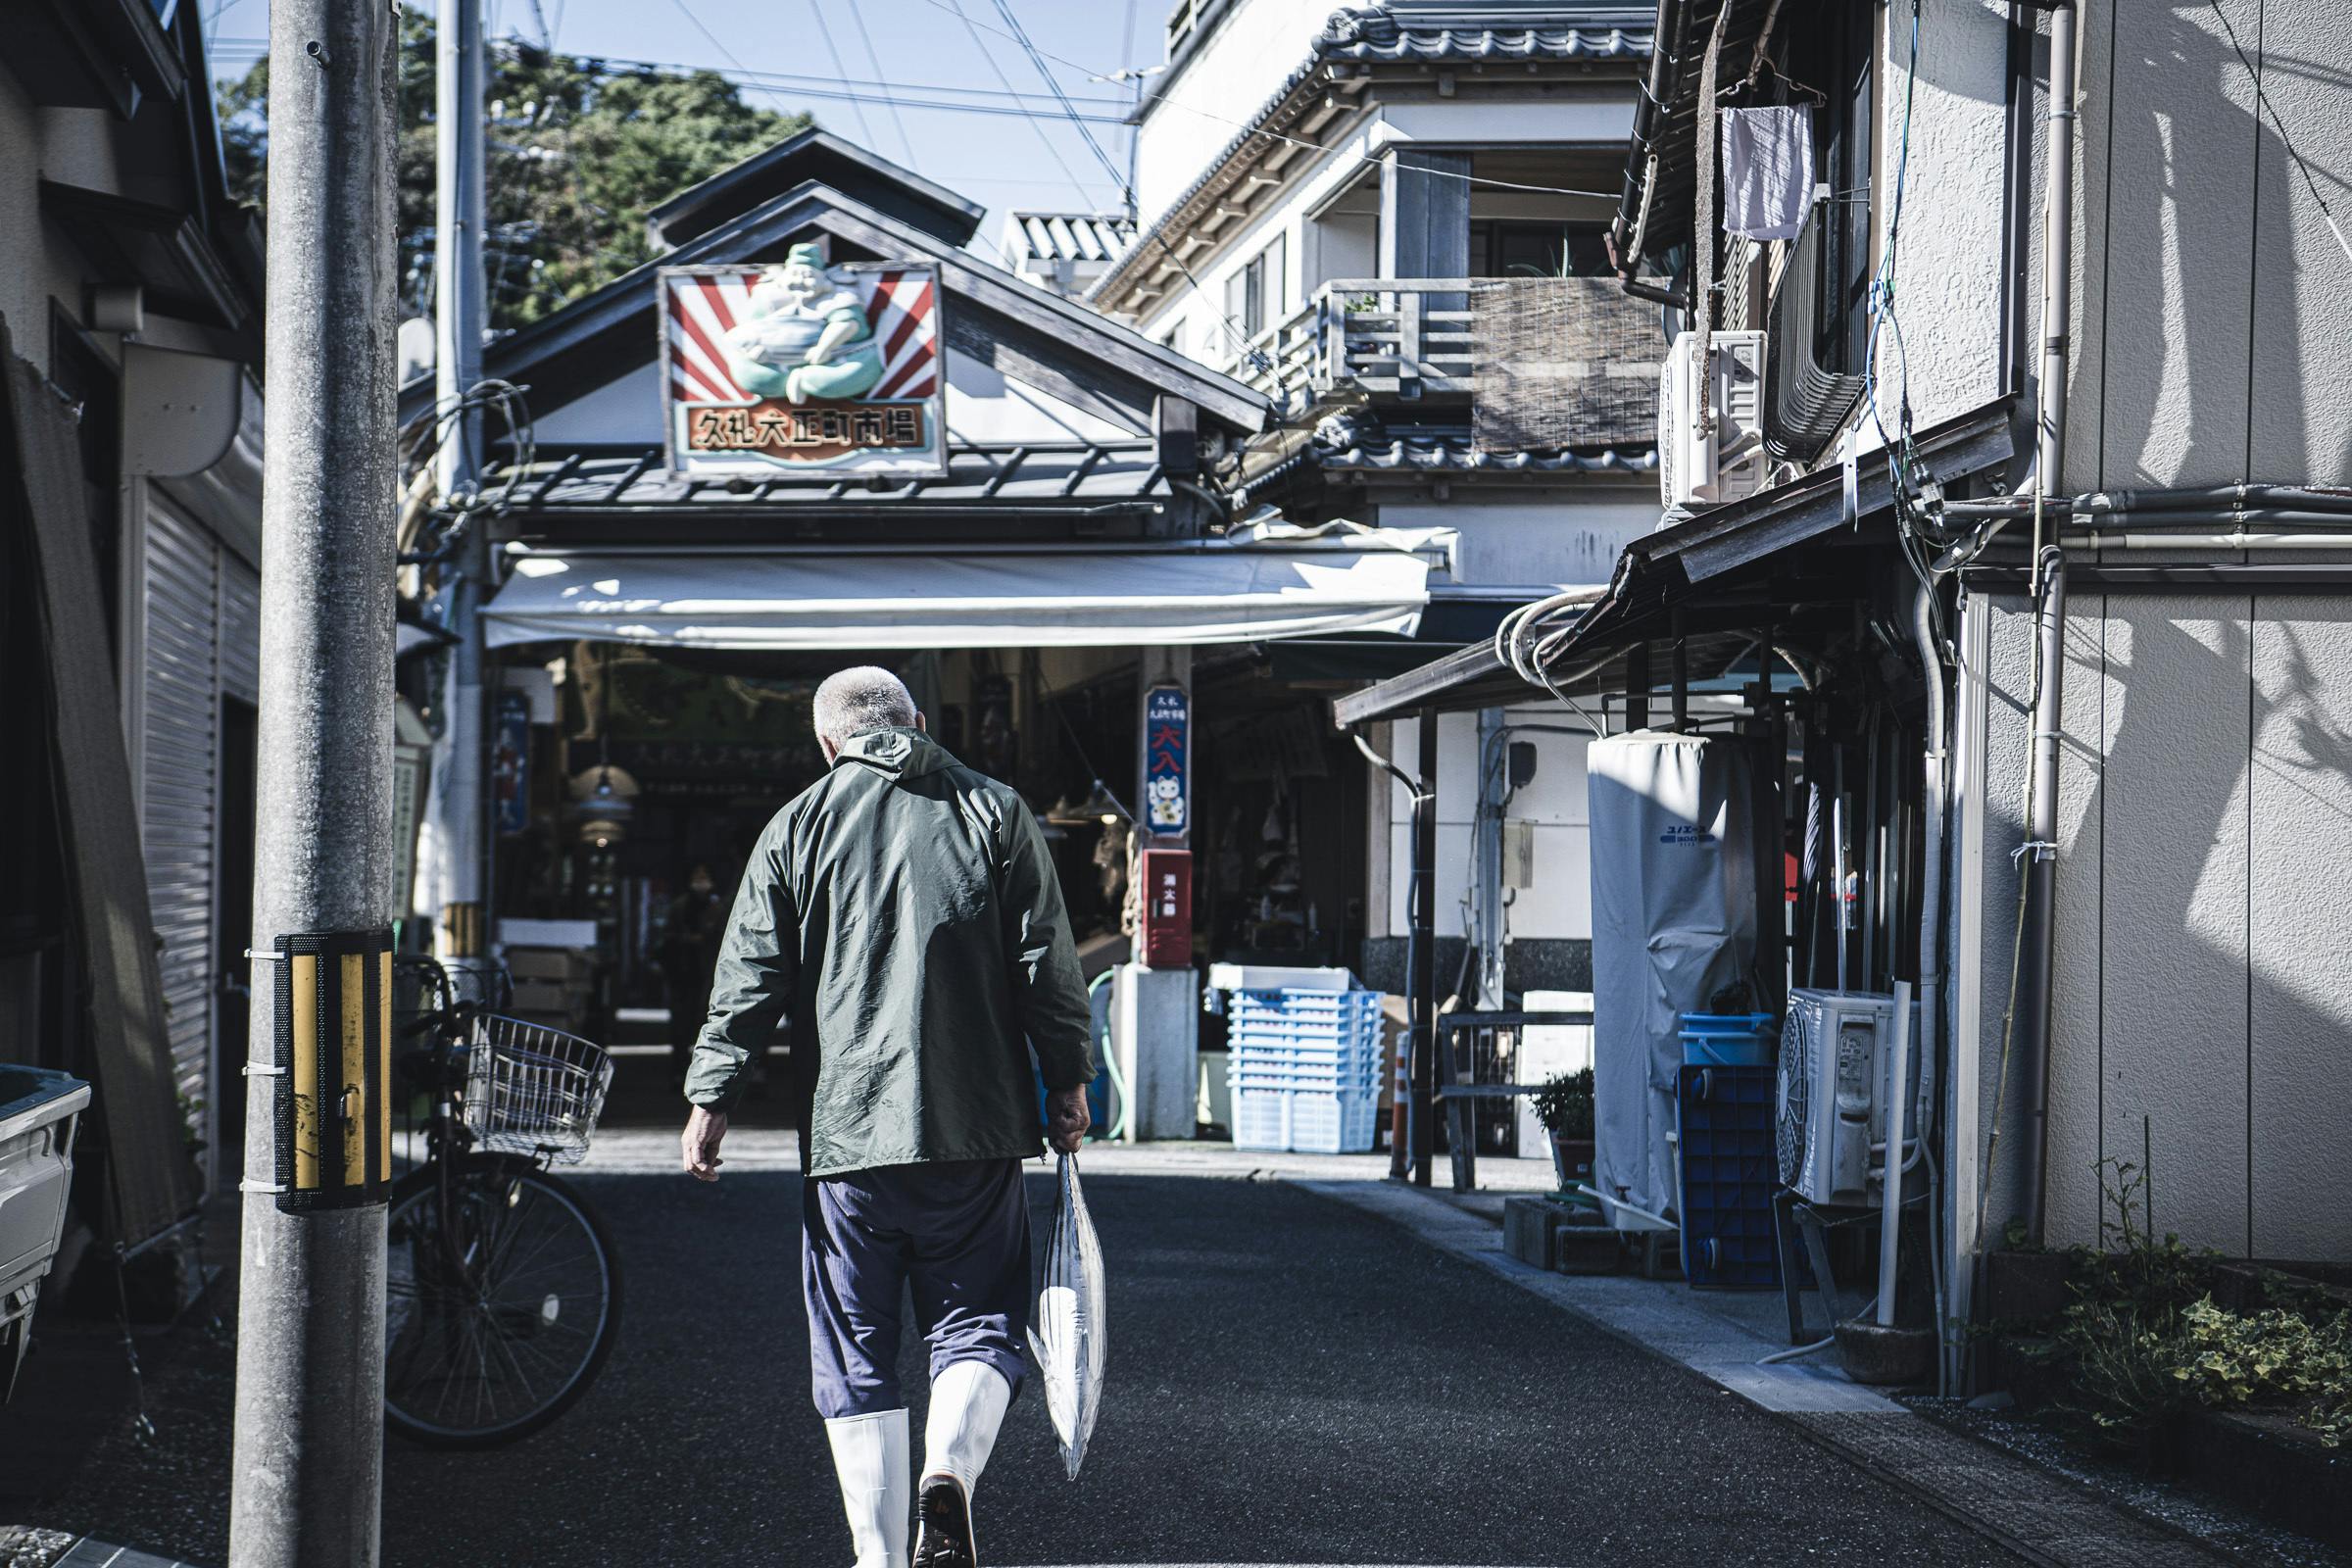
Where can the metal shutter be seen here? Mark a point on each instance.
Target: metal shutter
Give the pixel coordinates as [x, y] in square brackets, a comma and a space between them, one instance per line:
[178, 782]
[240, 647]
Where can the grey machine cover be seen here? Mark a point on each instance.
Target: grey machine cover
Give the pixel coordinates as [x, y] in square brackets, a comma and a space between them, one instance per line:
[1674, 911]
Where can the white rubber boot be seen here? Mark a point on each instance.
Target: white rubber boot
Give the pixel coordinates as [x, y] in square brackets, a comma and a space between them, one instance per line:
[869, 1456]
[968, 1402]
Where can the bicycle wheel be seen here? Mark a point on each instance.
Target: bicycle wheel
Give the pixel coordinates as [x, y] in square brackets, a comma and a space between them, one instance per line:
[494, 1330]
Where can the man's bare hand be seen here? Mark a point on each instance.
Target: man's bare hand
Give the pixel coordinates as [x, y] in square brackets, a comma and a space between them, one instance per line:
[1067, 1118]
[705, 1127]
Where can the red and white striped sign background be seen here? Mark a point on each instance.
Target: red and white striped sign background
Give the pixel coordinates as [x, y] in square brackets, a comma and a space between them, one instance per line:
[901, 303]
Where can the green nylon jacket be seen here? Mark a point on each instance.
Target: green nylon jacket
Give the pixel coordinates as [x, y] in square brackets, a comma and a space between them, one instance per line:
[902, 920]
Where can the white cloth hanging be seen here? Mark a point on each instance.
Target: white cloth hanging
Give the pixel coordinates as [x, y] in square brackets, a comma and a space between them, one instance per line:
[1767, 171]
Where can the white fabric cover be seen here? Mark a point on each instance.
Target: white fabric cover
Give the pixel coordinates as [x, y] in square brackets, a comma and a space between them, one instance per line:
[1674, 920]
[1767, 171]
[1110, 595]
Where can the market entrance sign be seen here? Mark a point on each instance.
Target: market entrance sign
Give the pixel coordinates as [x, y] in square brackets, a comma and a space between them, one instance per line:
[800, 368]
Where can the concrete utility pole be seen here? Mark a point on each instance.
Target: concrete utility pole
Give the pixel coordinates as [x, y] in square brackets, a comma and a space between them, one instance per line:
[461, 806]
[307, 1478]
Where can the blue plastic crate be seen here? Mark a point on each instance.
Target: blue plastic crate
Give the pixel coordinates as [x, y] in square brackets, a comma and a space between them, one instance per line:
[1730, 1172]
[1729, 1039]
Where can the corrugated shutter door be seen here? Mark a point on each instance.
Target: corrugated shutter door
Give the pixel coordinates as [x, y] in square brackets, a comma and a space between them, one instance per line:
[240, 629]
[177, 789]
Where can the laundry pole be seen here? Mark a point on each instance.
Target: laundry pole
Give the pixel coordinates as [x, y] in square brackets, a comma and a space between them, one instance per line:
[1156, 1000]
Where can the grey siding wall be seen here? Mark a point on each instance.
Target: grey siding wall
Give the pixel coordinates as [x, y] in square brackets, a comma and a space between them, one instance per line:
[2211, 301]
[2204, 887]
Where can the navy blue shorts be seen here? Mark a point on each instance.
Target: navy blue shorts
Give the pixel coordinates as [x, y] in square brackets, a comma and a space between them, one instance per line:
[956, 1233]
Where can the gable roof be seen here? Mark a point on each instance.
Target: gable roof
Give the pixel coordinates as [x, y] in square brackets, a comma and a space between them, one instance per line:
[1029, 333]
[821, 156]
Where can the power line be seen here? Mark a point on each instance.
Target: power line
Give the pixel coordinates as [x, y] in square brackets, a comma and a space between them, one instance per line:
[898, 124]
[1051, 151]
[824, 31]
[1300, 141]
[1020, 35]
[2262, 101]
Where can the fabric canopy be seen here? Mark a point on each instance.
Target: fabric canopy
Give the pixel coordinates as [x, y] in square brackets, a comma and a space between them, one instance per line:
[1063, 597]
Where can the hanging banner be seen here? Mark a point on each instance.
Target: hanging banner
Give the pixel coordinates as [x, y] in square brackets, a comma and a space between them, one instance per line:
[803, 369]
[1167, 760]
[511, 762]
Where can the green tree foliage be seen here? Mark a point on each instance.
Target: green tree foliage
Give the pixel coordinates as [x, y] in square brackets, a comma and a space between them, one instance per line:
[577, 152]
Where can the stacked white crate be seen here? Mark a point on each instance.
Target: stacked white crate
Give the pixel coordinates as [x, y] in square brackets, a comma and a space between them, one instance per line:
[1304, 1070]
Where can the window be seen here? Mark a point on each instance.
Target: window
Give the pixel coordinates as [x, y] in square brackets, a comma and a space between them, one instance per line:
[1255, 293]
[1537, 248]
[1842, 147]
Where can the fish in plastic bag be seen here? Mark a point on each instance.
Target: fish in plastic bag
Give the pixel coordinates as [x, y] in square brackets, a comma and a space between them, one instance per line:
[1067, 1338]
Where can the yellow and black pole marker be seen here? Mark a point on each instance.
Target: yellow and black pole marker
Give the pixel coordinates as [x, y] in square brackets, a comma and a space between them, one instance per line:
[334, 1069]
[461, 931]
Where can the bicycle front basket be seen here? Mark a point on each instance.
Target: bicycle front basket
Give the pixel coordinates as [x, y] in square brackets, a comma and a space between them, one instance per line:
[532, 1090]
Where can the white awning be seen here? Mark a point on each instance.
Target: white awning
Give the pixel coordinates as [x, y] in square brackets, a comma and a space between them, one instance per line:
[1007, 597]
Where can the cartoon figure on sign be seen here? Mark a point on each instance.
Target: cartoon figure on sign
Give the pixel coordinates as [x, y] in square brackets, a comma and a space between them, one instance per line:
[1164, 802]
[804, 336]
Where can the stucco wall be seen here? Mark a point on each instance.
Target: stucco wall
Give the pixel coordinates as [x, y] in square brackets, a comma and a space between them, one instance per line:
[1948, 250]
[2204, 883]
[1253, 49]
[1560, 904]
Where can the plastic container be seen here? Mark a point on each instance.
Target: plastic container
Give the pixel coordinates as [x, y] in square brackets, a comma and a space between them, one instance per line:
[1730, 1170]
[1729, 1039]
[37, 1112]
[1304, 1121]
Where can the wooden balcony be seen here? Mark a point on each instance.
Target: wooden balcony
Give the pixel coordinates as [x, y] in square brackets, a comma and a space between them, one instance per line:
[1396, 338]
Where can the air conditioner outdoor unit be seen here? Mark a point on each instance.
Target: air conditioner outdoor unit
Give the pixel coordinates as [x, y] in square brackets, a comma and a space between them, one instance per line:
[1711, 421]
[1834, 1048]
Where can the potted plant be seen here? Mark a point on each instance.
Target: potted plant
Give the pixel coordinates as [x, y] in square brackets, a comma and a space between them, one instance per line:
[1564, 1105]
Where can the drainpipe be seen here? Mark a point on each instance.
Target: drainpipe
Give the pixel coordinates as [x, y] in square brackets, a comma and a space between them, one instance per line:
[2042, 827]
[2041, 877]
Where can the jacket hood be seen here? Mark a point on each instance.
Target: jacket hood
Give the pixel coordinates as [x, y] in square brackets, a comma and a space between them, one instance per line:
[898, 753]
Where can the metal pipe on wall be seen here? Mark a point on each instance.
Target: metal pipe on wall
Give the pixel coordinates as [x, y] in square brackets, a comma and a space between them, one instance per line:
[2035, 983]
[1423, 979]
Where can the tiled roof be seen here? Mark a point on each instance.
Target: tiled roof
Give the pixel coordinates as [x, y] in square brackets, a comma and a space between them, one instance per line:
[1042, 476]
[1378, 35]
[1068, 236]
[1447, 455]
[1368, 36]
[1343, 445]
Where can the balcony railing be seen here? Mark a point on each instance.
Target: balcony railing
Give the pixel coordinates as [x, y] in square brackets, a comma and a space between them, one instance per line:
[1397, 338]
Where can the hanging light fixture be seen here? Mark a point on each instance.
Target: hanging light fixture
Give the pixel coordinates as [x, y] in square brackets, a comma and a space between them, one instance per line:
[1098, 806]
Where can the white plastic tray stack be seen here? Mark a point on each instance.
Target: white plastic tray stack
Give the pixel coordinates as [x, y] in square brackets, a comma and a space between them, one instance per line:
[1304, 1070]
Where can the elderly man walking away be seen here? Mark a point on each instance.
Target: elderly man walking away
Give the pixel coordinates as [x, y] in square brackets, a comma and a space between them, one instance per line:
[900, 920]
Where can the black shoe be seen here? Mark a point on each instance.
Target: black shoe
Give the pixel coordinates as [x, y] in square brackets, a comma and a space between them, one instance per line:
[944, 1516]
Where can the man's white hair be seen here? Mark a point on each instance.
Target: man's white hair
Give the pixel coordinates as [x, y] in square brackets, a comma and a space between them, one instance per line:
[860, 700]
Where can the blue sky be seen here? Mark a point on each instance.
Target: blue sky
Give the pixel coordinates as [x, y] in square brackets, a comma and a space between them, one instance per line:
[922, 49]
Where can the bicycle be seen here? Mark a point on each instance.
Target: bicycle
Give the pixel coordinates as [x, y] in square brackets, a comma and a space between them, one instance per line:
[503, 1290]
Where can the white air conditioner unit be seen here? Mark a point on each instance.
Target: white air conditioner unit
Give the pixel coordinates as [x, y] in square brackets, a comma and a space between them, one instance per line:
[1711, 421]
[1834, 1048]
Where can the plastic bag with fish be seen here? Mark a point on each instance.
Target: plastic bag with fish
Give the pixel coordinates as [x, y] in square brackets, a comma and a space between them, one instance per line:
[1067, 1338]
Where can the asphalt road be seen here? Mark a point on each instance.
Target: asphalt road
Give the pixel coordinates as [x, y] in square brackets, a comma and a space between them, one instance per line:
[1291, 1382]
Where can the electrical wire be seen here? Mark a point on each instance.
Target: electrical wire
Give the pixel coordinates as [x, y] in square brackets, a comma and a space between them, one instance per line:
[824, 31]
[1300, 141]
[981, 44]
[2262, 100]
[866, 38]
[1020, 35]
